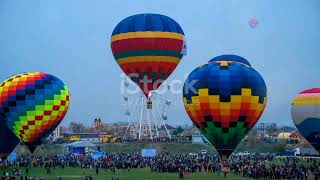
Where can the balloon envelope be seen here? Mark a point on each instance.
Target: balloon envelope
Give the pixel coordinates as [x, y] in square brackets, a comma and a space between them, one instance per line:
[33, 104]
[148, 47]
[305, 111]
[8, 141]
[224, 99]
[253, 22]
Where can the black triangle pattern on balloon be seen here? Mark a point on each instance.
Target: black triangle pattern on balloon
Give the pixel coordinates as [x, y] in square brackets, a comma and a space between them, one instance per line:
[32, 146]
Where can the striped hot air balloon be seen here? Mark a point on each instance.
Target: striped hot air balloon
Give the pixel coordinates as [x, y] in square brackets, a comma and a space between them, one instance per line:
[32, 105]
[305, 112]
[148, 47]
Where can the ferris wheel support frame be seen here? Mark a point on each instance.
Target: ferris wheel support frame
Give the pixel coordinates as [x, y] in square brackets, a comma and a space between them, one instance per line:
[140, 120]
[144, 121]
[149, 124]
[129, 124]
[165, 126]
[155, 123]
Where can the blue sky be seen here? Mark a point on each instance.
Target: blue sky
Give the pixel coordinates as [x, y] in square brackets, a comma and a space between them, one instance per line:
[71, 40]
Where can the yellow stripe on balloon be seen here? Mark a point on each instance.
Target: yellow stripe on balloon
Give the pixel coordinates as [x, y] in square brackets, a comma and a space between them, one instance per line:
[135, 59]
[307, 97]
[147, 34]
[306, 101]
[224, 107]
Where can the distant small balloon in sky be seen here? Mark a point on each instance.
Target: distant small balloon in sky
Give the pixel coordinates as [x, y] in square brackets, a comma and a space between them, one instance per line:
[253, 22]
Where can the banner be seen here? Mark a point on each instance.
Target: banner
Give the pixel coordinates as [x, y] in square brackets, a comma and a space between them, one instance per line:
[79, 151]
[97, 154]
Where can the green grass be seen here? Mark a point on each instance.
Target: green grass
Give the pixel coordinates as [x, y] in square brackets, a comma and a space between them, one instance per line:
[135, 174]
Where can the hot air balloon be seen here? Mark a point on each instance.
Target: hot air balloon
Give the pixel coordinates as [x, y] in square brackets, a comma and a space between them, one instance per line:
[224, 99]
[148, 47]
[305, 112]
[253, 22]
[33, 104]
[8, 141]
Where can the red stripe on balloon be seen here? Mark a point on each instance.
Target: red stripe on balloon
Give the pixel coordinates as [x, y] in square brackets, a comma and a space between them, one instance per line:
[146, 44]
[139, 68]
[313, 90]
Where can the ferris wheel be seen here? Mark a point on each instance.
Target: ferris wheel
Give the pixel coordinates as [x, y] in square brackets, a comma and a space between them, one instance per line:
[147, 117]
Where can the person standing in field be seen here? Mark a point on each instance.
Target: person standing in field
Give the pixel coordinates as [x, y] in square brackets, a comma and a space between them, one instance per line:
[225, 170]
[97, 170]
[180, 173]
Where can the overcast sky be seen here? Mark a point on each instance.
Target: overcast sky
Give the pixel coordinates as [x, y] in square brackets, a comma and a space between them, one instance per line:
[71, 40]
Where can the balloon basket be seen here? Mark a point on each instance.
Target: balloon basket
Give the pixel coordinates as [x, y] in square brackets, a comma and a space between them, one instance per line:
[149, 104]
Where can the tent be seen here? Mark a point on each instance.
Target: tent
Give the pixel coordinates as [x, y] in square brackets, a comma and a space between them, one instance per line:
[80, 147]
[81, 144]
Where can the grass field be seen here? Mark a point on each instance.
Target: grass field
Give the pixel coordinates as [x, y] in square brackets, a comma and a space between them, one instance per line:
[135, 174]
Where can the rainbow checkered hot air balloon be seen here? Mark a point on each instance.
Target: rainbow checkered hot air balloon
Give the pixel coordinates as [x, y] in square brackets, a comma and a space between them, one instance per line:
[148, 47]
[32, 105]
[305, 112]
[224, 99]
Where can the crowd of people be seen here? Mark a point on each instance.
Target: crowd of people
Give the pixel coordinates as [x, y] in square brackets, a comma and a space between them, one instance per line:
[251, 166]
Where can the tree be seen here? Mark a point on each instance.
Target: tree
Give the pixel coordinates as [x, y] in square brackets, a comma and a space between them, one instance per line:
[177, 131]
[77, 127]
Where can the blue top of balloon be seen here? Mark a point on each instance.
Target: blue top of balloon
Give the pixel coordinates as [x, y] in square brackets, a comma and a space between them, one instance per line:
[147, 22]
[231, 57]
